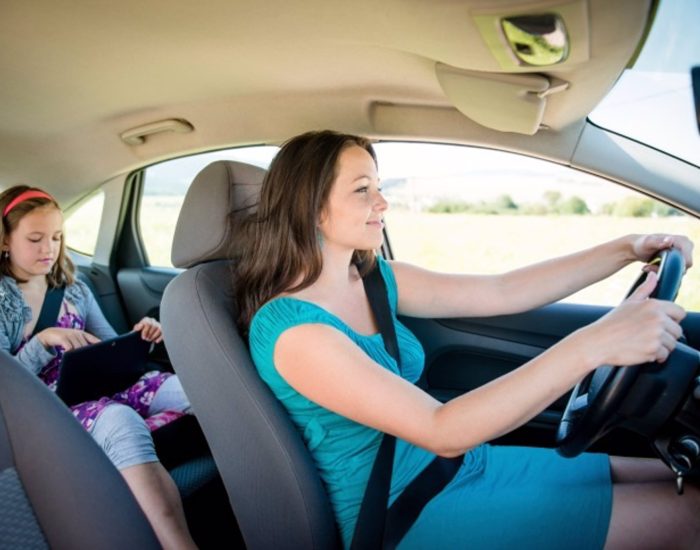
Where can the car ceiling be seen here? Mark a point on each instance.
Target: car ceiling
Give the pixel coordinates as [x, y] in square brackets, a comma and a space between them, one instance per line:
[76, 74]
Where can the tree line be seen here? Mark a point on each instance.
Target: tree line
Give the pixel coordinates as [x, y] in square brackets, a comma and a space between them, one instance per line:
[554, 203]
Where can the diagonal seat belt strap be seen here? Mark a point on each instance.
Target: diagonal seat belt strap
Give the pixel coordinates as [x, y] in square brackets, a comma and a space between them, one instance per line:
[377, 527]
[378, 297]
[369, 529]
[49, 309]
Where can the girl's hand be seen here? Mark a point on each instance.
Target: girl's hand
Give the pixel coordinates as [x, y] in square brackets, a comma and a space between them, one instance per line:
[67, 338]
[645, 246]
[640, 330]
[150, 330]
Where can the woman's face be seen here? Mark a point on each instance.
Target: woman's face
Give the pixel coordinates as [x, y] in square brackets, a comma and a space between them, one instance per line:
[353, 215]
[36, 242]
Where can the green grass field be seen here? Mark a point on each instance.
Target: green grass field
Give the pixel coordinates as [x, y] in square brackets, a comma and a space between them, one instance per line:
[465, 243]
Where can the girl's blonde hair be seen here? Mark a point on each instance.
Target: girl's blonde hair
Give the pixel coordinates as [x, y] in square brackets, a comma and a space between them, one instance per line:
[62, 272]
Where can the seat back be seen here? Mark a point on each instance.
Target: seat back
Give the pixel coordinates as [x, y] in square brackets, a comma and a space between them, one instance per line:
[57, 488]
[273, 486]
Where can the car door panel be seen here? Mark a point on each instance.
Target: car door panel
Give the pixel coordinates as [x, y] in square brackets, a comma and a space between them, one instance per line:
[463, 354]
[98, 278]
[142, 289]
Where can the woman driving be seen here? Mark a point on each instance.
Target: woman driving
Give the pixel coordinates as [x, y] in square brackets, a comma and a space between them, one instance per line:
[315, 342]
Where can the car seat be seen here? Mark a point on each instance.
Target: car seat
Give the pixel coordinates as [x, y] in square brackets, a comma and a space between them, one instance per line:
[182, 450]
[273, 486]
[57, 488]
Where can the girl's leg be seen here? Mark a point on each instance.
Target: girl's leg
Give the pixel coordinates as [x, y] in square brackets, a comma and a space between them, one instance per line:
[647, 512]
[126, 440]
[158, 497]
[170, 397]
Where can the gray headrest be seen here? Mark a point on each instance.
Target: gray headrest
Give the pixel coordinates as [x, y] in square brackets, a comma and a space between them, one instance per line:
[203, 230]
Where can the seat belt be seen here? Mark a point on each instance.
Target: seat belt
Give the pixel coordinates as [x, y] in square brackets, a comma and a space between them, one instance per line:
[369, 529]
[376, 526]
[49, 309]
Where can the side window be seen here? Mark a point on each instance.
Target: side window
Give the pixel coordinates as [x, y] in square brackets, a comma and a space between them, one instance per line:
[164, 189]
[82, 224]
[468, 210]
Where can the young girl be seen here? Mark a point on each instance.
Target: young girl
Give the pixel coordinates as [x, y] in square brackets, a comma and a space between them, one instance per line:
[320, 217]
[34, 260]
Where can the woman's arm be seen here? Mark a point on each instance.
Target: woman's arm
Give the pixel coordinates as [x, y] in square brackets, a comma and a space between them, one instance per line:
[423, 293]
[339, 376]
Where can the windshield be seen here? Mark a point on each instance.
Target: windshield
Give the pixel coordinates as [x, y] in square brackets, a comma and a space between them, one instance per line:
[653, 102]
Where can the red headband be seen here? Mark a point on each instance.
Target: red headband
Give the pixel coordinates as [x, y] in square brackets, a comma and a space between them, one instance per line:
[28, 194]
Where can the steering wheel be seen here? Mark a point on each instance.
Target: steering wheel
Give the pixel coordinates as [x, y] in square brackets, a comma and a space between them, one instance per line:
[592, 407]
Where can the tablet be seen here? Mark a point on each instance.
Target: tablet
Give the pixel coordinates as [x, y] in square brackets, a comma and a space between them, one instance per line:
[102, 369]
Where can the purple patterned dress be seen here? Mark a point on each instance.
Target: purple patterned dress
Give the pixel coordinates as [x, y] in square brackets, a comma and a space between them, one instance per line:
[139, 396]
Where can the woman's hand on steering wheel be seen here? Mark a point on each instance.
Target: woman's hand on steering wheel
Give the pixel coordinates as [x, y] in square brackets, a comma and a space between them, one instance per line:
[644, 247]
[640, 330]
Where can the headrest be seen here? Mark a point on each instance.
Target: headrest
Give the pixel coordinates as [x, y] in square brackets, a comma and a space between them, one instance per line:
[203, 230]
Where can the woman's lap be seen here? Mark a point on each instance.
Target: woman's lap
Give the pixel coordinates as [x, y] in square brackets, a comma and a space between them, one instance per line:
[520, 497]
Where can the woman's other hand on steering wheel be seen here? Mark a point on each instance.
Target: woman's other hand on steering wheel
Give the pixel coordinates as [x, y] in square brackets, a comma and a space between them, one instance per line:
[644, 247]
[66, 338]
[640, 330]
[150, 330]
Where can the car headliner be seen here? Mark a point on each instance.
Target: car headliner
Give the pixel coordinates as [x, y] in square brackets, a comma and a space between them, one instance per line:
[76, 74]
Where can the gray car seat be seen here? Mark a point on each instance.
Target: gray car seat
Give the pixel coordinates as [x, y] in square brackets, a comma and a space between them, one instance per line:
[57, 488]
[181, 448]
[272, 483]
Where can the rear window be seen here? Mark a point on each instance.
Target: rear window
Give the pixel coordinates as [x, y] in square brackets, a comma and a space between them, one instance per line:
[164, 189]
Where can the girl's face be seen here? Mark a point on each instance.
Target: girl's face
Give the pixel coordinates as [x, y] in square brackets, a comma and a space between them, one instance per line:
[354, 215]
[35, 244]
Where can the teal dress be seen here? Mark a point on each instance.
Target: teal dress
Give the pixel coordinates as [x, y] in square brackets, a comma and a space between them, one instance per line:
[502, 497]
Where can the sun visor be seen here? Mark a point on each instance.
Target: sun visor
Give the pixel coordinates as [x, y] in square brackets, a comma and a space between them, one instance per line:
[505, 102]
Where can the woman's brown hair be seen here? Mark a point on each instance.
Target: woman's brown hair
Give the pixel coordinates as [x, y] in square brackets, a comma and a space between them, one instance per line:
[281, 240]
[62, 271]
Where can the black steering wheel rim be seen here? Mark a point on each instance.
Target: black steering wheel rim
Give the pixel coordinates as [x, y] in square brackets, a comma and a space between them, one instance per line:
[591, 409]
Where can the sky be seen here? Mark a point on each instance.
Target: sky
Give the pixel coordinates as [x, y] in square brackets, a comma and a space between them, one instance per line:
[653, 102]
